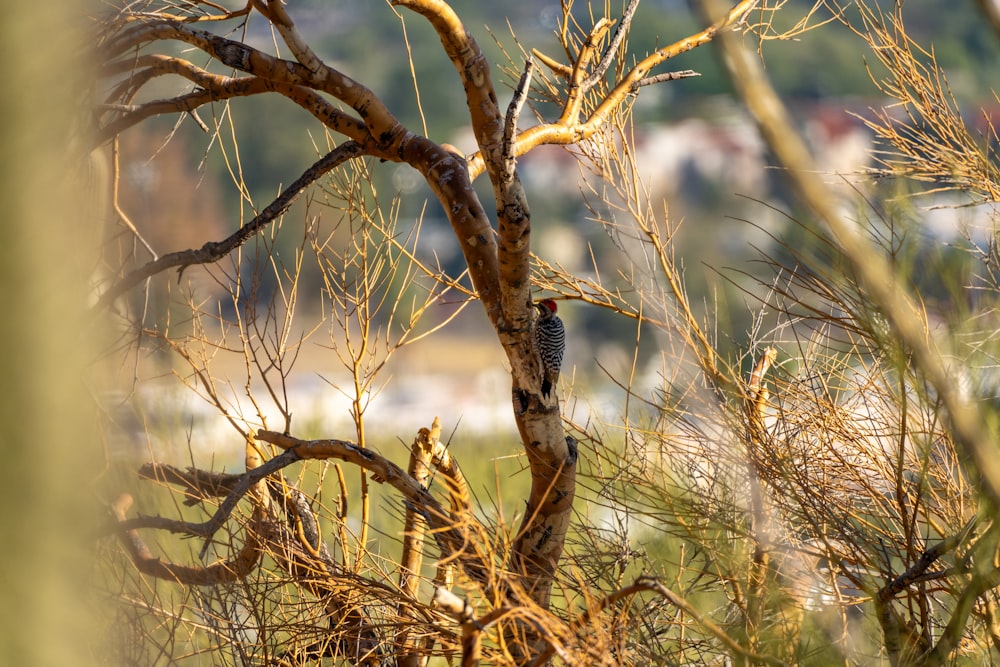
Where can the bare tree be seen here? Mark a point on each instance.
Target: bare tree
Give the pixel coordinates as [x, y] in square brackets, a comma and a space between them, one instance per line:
[824, 473]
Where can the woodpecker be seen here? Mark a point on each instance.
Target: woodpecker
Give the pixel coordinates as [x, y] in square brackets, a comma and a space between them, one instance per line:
[550, 341]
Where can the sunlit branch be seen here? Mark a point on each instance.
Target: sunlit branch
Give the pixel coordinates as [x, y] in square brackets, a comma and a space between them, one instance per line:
[454, 539]
[570, 131]
[208, 528]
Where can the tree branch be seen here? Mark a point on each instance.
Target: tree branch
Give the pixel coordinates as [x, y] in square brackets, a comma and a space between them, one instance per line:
[621, 30]
[382, 125]
[455, 540]
[564, 132]
[215, 573]
[211, 88]
[208, 528]
[472, 630]
[514, 248]
[666, 76]
[216, 250]
[914, 573]
[419, 468]
[199, 484]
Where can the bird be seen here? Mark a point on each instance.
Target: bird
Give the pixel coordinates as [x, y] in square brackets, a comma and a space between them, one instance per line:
[550, 341]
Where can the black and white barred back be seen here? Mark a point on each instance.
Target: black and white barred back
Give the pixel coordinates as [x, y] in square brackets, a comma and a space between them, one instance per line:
[550, 340]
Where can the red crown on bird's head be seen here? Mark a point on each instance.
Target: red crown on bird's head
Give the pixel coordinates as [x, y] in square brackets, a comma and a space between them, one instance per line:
[549, 303]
